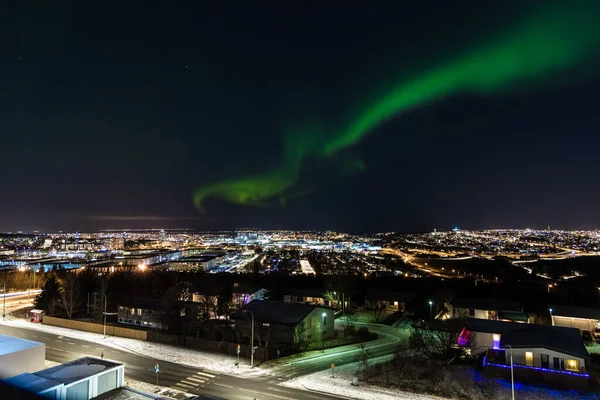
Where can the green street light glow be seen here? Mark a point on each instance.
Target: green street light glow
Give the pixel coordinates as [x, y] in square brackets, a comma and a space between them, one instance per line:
[554, 39]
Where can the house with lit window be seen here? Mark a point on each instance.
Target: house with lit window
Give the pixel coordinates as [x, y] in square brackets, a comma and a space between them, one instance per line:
[492, 309]
[482, 334]
[149, 313]
[582, 318]
[244, 293]
[540, 354]
[282, 323]
[390, 300]
[304, 296]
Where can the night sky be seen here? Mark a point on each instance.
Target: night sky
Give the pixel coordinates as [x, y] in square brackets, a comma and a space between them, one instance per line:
[427, 116]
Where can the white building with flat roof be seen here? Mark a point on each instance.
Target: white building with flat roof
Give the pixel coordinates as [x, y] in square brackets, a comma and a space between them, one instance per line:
[18, 356]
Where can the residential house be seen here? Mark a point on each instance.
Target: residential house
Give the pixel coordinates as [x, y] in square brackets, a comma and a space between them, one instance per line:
[284, 323]
[582, 318]
[482, 334]
[208, 297]
[150, 313]
[390, 300]
[541, 354]
[305, 296]
[493, 309]
[243, 293]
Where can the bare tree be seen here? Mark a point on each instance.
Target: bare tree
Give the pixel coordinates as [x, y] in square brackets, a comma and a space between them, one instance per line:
[97, 304]
[332, 298]
[70, 295]
[437, 345]
[303, 334]
[362, 358]
[378, 312]
[264, 335]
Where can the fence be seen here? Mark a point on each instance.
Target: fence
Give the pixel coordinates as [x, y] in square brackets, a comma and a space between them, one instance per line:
[217, 346]
[96, 328]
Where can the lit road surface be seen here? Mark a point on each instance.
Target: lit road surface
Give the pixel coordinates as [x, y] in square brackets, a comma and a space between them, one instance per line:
[19, 295]
[390, 340]
[306, 268]
[188, 379]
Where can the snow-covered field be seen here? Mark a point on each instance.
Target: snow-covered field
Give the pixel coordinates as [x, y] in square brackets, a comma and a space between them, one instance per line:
[215, 362]
[340, 383]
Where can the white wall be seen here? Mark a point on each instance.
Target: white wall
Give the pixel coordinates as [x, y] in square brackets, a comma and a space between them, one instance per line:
[317, 320]
[519, 357]
[480, 342]
[26, 360]
[579, 323]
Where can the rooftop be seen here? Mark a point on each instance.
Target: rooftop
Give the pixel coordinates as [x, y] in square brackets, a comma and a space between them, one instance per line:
[487, 304]
[564, 340]
[491, 326]
[576, 312]
[31, 382]
[275, 312]
[9, 344]
[77, 370]
[377, 293]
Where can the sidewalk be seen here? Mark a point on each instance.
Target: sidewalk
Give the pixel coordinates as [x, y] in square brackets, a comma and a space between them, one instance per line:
[340, 384]
[221, 363]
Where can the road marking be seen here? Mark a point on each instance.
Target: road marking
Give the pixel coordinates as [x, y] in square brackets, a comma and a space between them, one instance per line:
[98, 348]
[197, 380]
[205, 374]
[220, 384]
[54, 348]
[72, 343]
[56, 340]
[184, 386]
[83, 345]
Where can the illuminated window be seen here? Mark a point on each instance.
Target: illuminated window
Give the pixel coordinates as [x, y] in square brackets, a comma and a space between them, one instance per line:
[139, 311]
[496, 341]
[529, 358]
[573, 365]
[133, 311]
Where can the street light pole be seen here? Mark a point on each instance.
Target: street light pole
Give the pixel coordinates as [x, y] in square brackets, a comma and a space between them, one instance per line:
[512, 376]
[251, 340]
[4, 295]
[431, 309]
[105, 301]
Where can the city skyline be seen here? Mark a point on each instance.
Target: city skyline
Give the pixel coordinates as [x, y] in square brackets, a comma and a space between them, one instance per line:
[354, 120]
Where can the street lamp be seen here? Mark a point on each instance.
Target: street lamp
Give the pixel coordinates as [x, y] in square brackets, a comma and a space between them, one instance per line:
[551, 319]
[105, 301]
[431, 309]
[549, 287]
[512, 376]
[251, 340]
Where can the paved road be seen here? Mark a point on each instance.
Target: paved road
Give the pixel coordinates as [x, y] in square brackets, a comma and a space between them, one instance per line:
[390, 340]
[192, 380]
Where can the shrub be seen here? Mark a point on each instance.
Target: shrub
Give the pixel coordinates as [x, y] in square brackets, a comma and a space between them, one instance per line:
[363, 332]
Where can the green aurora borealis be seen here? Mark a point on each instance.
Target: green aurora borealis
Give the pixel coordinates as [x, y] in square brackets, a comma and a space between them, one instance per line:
[553, 39]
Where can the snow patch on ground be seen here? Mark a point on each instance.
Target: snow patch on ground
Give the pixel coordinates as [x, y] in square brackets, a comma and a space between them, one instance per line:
[157, 390]
[221, 363]
[340, 383]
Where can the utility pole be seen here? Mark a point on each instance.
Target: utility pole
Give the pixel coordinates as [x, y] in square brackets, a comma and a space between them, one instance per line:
[251, 340]
[105, 301]
[4, 294]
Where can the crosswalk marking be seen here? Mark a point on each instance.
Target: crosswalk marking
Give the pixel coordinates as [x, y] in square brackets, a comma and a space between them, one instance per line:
[184, 385]
[191, 378]
[195, 381]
